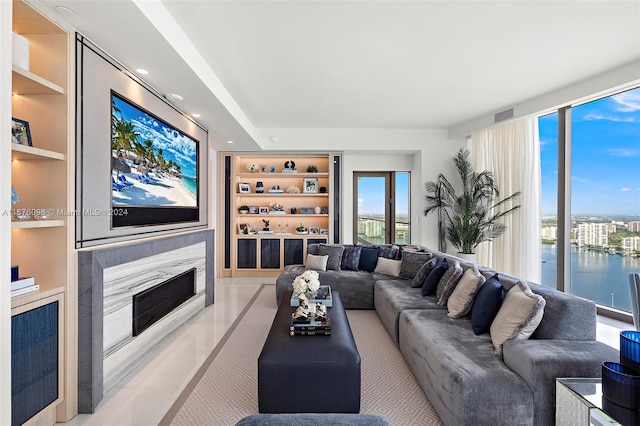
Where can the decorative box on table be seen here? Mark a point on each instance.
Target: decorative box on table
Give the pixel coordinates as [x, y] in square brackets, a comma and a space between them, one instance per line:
[323, 297]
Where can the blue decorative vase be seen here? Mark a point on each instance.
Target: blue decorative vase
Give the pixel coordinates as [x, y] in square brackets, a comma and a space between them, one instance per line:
[259, 188]
[621, 385]
[630, 349]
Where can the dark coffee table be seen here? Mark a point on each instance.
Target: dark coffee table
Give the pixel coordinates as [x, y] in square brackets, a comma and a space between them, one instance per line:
[309, 374]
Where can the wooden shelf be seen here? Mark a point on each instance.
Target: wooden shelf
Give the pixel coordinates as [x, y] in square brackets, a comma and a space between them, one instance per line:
[27, 83]
[30, 224]
[275, 216]
[283, 235]
[271, 194]
[43, 292]
[289, 175]
[26, 152]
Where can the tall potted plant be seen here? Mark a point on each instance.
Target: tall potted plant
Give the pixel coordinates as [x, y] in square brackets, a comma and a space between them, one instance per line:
[470, 217]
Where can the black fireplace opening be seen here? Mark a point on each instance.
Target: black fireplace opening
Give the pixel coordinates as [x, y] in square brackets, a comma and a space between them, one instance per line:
[152, 304]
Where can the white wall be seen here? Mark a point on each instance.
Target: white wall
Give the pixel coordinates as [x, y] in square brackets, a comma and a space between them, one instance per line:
[423, 152]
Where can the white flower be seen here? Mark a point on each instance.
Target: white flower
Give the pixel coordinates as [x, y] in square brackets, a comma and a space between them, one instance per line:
[275, 206]
[308, 280]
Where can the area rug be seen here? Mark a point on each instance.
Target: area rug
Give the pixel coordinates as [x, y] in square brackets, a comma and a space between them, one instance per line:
[225, 389]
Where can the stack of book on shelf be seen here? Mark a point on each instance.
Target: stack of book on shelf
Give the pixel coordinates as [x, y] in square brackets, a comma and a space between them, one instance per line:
[23, 285]
[310, 327]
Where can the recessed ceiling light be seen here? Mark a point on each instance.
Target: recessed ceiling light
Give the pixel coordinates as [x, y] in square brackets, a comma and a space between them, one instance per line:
[65, 11]
[273, 138]
[195, 115]
[142, 71]
[229, 141]
[174, 97]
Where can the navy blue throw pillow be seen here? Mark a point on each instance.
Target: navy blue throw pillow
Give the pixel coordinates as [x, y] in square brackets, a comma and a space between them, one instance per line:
[431, 282]
[368, 259]
[487, 304]
[351, 258]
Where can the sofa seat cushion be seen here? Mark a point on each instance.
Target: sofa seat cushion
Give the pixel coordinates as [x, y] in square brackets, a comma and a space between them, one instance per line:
[459, 372]
[391, 297]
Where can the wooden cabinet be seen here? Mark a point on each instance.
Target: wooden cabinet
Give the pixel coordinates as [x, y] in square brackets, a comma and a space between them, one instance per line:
[271, 201]
[42, 175]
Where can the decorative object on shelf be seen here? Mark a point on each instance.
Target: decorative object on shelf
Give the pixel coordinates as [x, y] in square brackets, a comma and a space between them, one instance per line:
[306, 210]
[301, 229]
[312, 169]
[321, 313]
[308, 282]
[263, 168]
[42, 214]
[472, 216]
[314, 230]
[630, 349]
[272, 169]
[294, 210]
[20, 132]
[263, 210]
[252, 167]
[324, 210]
[310, 185]
[323, 189]
[259, 187]
[243, 228]
[317, 210]
[293, 189]
[266, 224]
[244, 188]
[324, 231]
[243, 209]
[275, 189]
[20, 214]
[252, 230]
[253, 209]
[14, 196]
[290, 165]
[276, 208]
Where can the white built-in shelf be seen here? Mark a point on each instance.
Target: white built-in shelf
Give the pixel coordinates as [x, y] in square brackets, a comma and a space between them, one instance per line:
[27, 83]
[28, 224]
[274, 216]
[45, 290]
[271, 194]
[26, 152]
[289, 175]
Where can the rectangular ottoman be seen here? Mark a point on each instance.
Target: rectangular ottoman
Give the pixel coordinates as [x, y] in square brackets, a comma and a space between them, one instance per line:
[309, 374]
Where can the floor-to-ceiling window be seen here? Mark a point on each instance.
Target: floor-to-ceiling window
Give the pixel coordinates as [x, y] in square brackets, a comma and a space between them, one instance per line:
[381, 207]
[604, 225]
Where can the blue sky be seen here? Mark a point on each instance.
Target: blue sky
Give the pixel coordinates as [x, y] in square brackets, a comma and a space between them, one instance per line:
[175, 145]
[605, 175]
[371, 195]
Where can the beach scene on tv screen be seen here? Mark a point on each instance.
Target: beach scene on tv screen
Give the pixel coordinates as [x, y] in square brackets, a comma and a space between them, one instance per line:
[152, 163]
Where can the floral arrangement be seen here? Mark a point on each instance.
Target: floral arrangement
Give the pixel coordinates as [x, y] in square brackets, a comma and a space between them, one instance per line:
[276, 206]
[293, 189]
[252, 167]
[307, 281]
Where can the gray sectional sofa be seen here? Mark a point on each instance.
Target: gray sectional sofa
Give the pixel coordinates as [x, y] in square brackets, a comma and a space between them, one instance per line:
[459, 371]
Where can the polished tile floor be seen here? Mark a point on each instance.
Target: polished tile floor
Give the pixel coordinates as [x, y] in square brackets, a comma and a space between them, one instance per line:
[145, 395]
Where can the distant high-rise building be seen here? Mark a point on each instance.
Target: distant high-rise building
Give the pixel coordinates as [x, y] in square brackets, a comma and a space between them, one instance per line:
[634, 226]
[593, 234]
[630, 244]
[550, 233]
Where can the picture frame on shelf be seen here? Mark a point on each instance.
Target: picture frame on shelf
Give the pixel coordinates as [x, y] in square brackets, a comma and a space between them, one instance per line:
[263, 210]
[253, 209]
[272, 169]
[20, 132]
[244, 188]
[314, 230]
[243, 228]
[324, 231]
[310, 186]
[306, 210]
[324, 210]
[263, 168]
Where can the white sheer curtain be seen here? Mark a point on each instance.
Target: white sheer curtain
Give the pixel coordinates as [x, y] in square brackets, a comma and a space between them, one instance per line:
[512, 153]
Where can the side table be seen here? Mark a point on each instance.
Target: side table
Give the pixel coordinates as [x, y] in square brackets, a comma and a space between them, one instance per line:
[579, 402]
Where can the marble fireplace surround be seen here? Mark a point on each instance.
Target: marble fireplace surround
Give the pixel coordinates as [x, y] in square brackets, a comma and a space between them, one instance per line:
[107, 280]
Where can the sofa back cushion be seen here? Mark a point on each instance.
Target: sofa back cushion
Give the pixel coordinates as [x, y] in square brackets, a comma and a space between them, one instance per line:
[316, 262]
[351, 258]
[388, 266]
[334, 251]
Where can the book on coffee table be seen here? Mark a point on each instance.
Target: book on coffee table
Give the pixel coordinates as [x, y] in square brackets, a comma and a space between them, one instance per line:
[309, 327]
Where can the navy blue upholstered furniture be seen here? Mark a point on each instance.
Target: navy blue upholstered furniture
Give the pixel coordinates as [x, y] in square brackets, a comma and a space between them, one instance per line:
[309, 374]
[314, 419]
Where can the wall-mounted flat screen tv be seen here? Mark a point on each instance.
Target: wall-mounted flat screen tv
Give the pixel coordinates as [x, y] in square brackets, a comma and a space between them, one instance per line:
[154, 168]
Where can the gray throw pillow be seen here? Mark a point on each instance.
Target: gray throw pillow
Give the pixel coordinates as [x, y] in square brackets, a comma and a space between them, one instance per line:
[412, 262]
[448, 283]
[351, 258]
[334, 251]
[422, 273]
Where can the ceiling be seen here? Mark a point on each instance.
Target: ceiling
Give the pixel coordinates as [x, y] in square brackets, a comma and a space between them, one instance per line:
[248, 65]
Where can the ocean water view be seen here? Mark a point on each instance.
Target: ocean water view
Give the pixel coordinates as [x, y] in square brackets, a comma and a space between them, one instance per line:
[595, 275]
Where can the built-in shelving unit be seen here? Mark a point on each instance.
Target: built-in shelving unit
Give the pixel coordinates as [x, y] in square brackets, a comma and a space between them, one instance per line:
[42, 175]
[307, 193]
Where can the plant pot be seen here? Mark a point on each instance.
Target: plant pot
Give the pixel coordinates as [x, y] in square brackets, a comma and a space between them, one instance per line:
[469, 257]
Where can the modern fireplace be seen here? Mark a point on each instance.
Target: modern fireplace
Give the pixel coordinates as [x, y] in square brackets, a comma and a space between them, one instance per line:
[152, 304]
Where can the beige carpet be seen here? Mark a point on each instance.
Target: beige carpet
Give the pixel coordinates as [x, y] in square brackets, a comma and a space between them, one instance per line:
[225, 389]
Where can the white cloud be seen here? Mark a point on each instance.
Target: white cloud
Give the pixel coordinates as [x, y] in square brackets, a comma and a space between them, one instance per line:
[625, 189]
[619, 119]
[360, 201]
[628, 101]
[623, 152]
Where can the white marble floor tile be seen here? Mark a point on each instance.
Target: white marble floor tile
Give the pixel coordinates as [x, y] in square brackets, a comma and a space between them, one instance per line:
[144, 396]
